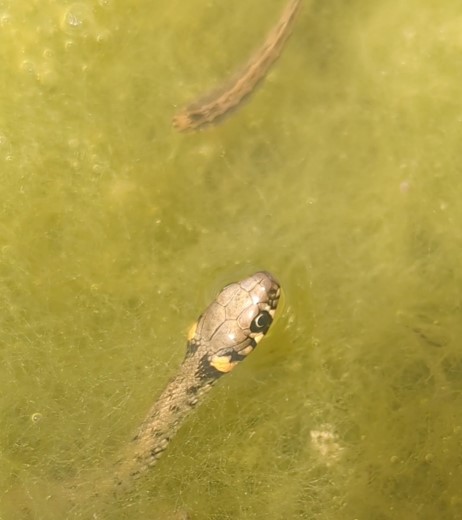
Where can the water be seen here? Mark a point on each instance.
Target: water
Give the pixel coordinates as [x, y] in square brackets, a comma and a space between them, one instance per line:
[341, 176]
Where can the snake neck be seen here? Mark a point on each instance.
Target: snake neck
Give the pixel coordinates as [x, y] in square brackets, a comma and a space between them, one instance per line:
[171, 408]
[163, 420]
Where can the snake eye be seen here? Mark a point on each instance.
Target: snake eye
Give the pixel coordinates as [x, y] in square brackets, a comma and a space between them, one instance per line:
[261, 323]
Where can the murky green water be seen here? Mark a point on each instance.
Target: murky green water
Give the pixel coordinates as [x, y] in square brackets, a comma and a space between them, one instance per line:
[342, 176]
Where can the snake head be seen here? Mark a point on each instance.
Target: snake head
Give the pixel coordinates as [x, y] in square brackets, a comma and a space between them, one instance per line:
[234, 323]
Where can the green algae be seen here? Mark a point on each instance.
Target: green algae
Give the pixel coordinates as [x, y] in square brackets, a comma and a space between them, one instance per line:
[341, 176]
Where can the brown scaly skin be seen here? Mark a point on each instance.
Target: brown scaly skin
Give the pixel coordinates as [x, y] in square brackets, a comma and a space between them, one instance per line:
[215, 105]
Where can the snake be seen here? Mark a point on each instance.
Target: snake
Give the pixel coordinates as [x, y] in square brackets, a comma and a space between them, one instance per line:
[224, 335]
[214, 106]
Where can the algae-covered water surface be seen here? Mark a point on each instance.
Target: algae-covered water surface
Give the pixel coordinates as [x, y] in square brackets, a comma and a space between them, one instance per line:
[341, 175]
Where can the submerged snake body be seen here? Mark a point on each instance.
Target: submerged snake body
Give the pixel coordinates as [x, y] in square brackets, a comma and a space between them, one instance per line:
[225, 334]
[215, 105]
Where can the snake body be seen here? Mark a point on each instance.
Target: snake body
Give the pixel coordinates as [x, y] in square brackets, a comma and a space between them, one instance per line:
[215, 105]
[224, 335]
